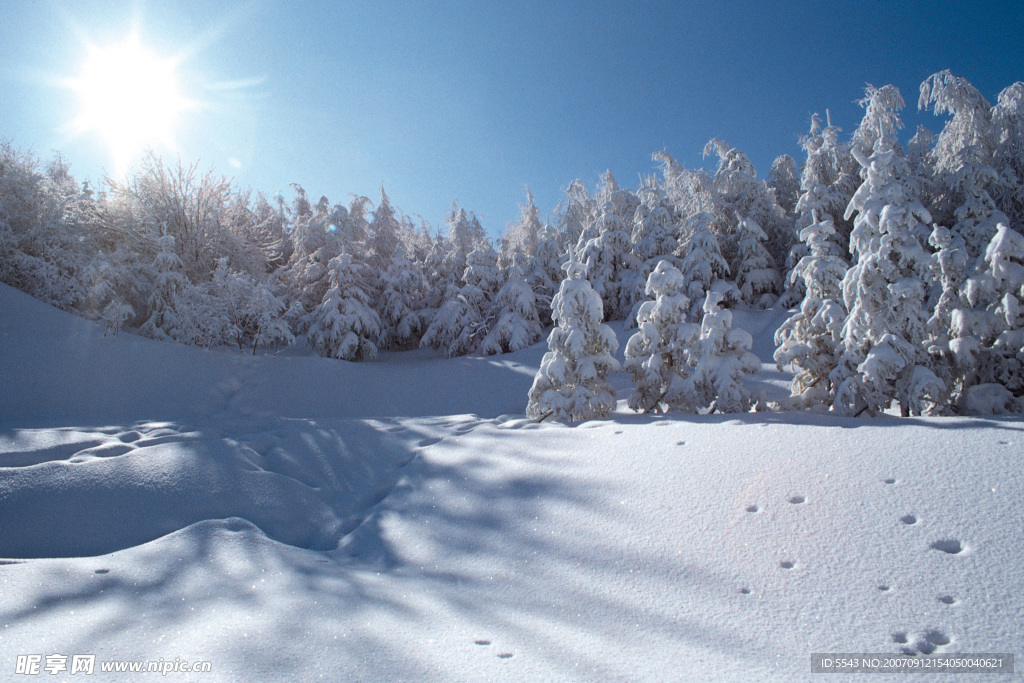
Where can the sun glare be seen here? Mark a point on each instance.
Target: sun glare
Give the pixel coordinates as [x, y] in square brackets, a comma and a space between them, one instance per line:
[129, 98]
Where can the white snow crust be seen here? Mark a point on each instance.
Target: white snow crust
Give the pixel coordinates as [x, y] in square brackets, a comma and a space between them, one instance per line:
[291, 518]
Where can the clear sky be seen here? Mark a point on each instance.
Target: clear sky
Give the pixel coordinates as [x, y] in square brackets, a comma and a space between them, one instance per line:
[473, 101]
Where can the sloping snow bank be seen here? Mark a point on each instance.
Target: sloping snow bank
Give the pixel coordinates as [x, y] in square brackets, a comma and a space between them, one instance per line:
[58, 370]
[289, 518]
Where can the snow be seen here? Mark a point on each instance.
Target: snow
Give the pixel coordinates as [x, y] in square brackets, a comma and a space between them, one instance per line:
[287, 518]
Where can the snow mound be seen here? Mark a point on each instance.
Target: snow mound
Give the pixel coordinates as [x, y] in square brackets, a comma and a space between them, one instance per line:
[80, 493]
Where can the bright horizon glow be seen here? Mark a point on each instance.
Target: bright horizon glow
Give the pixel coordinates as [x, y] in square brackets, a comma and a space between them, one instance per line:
[129, 98]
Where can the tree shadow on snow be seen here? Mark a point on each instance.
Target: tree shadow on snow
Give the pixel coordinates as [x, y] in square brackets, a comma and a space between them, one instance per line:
[469, 535]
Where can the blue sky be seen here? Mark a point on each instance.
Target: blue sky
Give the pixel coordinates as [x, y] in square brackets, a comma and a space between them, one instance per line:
[473, 101]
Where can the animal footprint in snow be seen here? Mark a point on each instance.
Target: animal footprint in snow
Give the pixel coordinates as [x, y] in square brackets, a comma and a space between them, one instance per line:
[797, 500]
[948, 545]
[890, 480]
[752, 508]
[947, 599]
[504, 655]
[925, 643]
[787, 564]
[908, 519]
[481, 642]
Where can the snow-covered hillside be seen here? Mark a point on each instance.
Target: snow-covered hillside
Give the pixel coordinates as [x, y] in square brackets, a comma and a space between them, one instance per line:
[287, 518]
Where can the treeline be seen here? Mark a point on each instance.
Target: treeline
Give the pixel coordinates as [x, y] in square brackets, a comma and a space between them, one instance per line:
[904, 264]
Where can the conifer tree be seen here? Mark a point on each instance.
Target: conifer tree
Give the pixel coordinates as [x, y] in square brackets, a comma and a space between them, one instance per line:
[756, 275]
[884, 357]
[809, 340]
[572, 382]
[344, 326]
[658, 354]
[987, 331]
[514, 313]
[721, 359]
[163, 320]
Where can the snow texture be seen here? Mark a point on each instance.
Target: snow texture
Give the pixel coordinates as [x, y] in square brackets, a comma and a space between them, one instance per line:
[287, 518]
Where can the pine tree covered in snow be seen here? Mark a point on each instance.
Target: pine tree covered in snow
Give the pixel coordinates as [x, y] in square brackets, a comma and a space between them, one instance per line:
[611, 266]
[575, 215]
[655, 233]
[545, 272]
[962, 159]
[385, 234]
[987, 331]
[462, 322]
[721, 359]
[949, 266]
[1008, 160]
[827, 182]
[658, 355]
[572, 382]
[525, 234]
[703, 266]
[655, 239]
[743, 194]
[809, 340]
[163, 321]
[344, 325]
[515, 325]
[785, 183]
[756, 276]
[884, 357]
[400, 305]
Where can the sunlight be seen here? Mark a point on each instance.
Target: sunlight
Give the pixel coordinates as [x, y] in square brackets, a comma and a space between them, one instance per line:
[129, 98]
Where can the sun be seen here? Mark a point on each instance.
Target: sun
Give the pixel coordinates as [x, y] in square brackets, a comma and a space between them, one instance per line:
[129, 98]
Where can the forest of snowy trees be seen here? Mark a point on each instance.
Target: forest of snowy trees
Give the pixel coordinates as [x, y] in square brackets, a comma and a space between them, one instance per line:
[902, 266]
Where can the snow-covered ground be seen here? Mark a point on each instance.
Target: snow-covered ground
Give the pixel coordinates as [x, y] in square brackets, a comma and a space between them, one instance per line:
[287, 518]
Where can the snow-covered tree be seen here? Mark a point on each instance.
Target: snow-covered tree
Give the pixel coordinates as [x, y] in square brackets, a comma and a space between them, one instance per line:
[344, 325]
[545, 272]
[611, 264]
[403, 319]
[516, 325]
[809, 340]
[163, 320]
[784, 182]
[572, 382]
[464, 230]
[827, 182]
[987, 330]
[743, 194]
[114, 315]
[658, 354]
[384, 241]
[949, 266]
[576, 213]
[884, 356]
[464, 319]
[655, 233]
[611, 198]
[721, 359]
[756, 275]
[524, 235]
[962, 159]
[1008, 160]
[46, 245]
[703, 265]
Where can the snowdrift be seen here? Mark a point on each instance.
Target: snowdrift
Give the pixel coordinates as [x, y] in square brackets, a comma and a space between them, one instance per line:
[290, 517]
